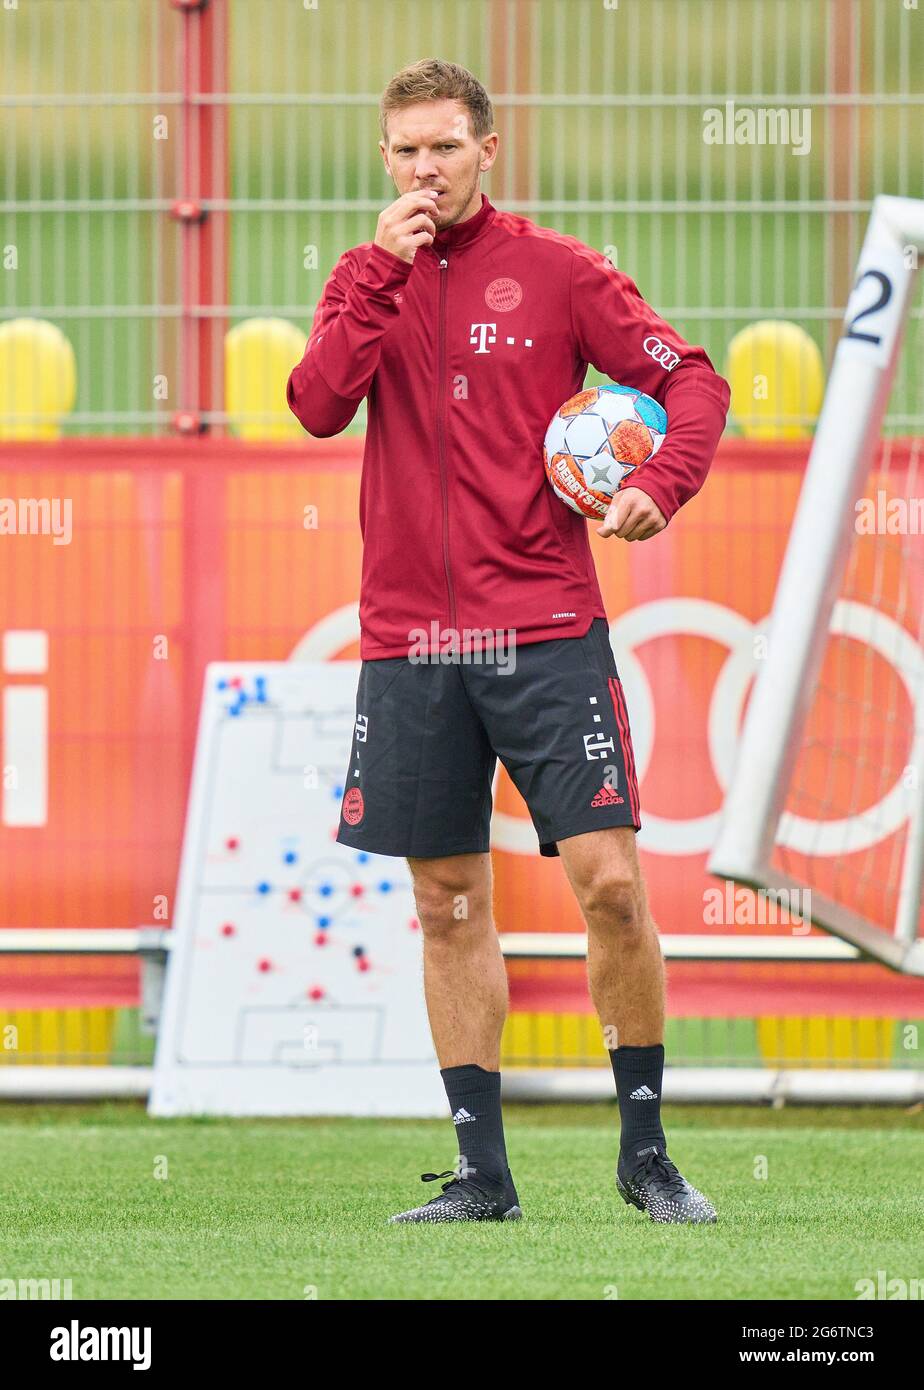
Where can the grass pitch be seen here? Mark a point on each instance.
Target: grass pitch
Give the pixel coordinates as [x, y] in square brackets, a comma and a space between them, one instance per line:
[128, 1207]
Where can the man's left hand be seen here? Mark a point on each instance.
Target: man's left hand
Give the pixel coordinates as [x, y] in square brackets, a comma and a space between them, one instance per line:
[632, 516]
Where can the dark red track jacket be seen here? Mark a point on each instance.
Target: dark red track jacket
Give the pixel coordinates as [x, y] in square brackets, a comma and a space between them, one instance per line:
[465, 355]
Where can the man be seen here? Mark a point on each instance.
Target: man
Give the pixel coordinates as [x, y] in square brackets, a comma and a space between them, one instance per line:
[466, 328]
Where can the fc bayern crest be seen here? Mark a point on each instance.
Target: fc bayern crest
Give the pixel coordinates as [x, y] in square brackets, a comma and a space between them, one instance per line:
[503, 295]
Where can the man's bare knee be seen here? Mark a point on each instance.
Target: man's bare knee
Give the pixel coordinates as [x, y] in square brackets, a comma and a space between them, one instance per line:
[613, 904]
[450, 894]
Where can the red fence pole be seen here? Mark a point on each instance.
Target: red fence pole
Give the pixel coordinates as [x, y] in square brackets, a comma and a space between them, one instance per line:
[204, 234]
[204, 288]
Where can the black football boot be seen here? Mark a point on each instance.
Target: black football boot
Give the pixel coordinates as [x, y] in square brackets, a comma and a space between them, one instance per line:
[652, 1183]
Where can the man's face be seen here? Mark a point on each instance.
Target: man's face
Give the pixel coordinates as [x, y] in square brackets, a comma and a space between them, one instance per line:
[431, 145]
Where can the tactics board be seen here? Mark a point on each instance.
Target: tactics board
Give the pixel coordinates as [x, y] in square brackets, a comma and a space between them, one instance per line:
[294, 982]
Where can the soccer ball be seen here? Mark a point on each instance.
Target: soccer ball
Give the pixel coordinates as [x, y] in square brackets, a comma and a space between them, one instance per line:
[598, 438]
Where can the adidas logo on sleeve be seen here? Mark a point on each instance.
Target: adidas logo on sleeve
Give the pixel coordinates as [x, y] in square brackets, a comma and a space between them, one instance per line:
[644, 1093]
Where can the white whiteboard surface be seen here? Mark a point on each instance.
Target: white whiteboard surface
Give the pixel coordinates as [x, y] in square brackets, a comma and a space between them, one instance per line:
[294, 984]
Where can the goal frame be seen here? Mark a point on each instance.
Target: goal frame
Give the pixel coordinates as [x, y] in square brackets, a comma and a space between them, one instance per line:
[810, 581]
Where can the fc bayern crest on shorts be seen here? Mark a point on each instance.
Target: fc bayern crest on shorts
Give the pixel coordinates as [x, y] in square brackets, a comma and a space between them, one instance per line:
[353, 806]
[503, 295]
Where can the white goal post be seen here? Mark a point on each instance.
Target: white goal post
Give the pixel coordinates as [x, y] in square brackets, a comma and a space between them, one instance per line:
[807, 602]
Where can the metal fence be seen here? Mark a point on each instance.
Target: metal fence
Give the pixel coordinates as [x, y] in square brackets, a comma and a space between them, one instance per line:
[171, 168]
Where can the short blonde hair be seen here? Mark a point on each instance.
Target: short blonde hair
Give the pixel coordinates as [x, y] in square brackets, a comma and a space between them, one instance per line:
[434, 80]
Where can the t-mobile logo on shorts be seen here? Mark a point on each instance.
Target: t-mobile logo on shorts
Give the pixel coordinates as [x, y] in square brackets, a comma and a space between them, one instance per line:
[596, 746]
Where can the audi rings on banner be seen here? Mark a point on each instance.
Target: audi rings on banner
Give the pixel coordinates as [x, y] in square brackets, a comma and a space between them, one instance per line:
[696, 617]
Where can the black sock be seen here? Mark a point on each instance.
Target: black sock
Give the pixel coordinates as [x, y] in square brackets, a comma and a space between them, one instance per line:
[475, 1102]
[639, 1073]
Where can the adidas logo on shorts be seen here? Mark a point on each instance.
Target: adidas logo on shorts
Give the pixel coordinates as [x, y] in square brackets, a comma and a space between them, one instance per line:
[644, 1093]
[607, 796]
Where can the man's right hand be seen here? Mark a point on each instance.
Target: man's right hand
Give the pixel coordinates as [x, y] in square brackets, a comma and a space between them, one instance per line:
[407, 223]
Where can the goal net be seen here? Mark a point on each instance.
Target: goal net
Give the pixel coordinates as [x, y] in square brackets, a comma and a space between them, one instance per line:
[828, 787]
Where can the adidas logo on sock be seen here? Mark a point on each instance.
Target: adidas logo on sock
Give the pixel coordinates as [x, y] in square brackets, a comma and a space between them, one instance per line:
[644, 1093]
[607, 796]
[461, 1115]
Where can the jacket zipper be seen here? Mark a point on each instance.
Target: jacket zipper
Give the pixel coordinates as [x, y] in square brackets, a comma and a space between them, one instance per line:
[440, 438]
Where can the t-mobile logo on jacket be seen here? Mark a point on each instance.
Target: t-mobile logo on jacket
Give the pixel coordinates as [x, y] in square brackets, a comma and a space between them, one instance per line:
[483, 333]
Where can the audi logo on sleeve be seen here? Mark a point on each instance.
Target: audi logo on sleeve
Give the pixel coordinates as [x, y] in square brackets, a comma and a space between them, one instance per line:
[664, 356]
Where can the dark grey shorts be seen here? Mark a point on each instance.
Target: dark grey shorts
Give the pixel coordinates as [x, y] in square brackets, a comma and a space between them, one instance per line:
[428, 735]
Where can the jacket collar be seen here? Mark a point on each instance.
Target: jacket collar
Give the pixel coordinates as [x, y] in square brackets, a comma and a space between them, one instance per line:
[464, 233]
